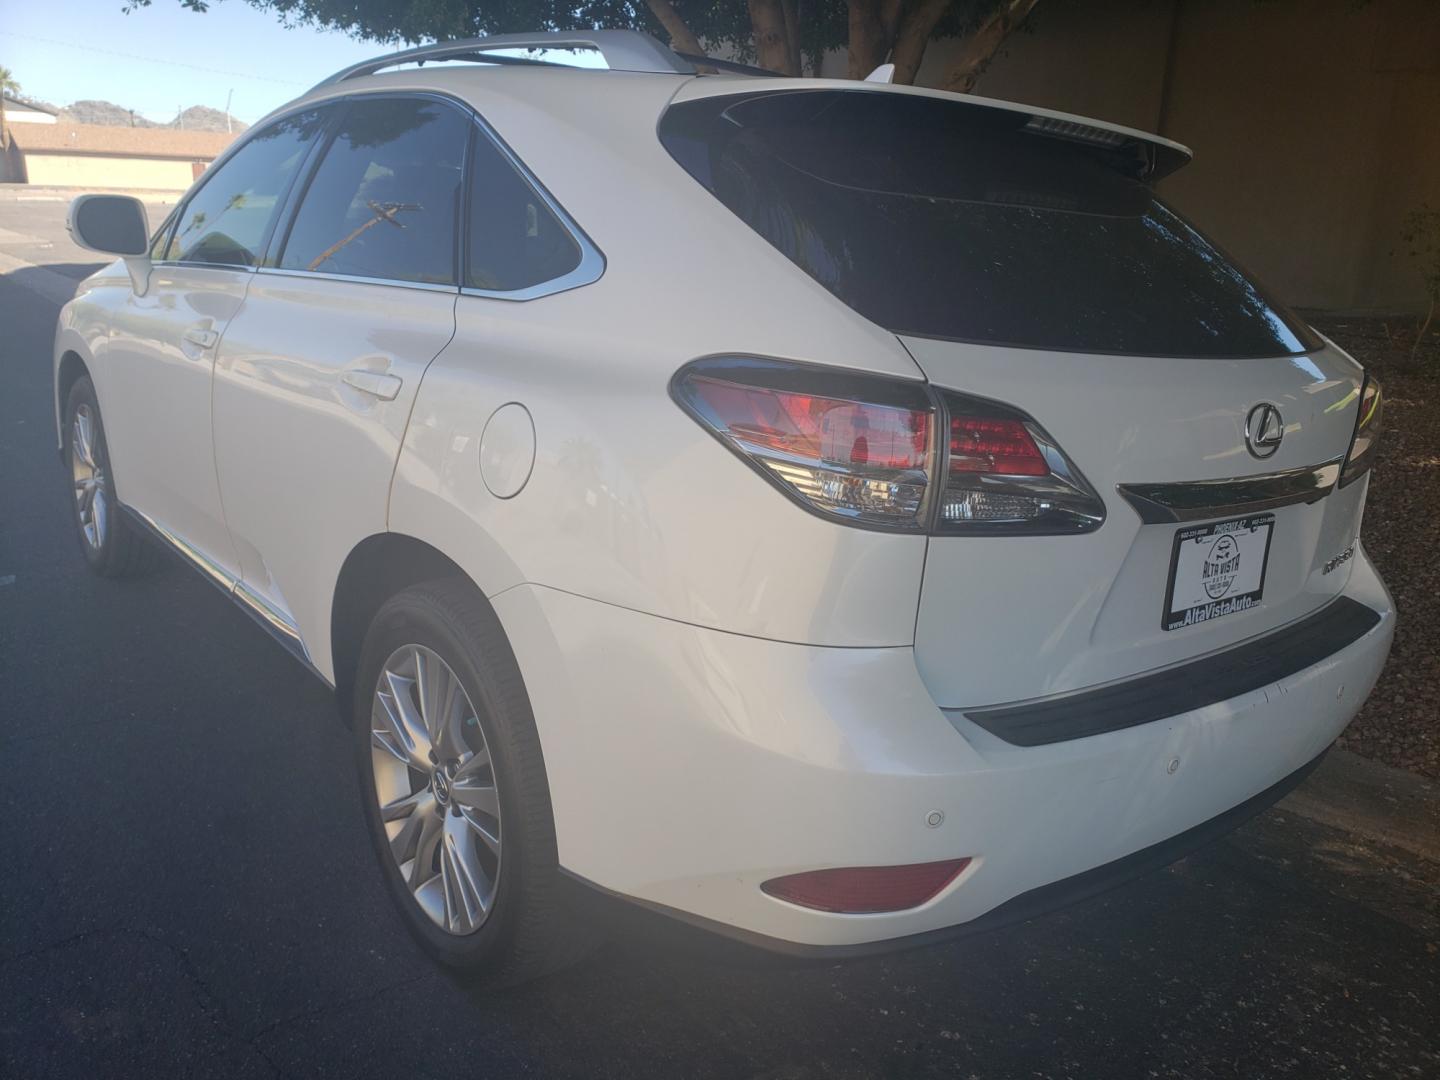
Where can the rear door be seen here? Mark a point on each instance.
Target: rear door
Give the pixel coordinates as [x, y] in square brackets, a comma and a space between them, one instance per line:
[1025, 260]
[319, 368]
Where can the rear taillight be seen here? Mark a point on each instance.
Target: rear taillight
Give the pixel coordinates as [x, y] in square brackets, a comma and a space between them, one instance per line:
[855, 447]
[1003, 474]
[1365, 443]
[868, 450]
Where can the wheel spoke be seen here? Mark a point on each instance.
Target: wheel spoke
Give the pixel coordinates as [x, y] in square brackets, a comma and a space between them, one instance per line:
[471, 886]
[473, 766]
[81, 438]
[417, 802]
[427, 836]
[476, 796]
[405, 723]
[99, 513]
[488, 834]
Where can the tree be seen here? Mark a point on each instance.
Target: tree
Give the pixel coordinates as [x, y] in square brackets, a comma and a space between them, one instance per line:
[1421, 235]
[778, 34]
[9, 86]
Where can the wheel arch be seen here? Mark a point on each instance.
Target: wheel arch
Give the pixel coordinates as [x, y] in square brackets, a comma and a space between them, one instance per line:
[376, 569]
[70, 367]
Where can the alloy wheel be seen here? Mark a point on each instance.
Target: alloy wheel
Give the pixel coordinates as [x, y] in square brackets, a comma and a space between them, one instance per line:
[436, 787]
[92, 493]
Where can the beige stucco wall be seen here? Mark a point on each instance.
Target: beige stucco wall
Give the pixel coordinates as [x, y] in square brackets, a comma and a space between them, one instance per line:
[76, 170]
[1315, 123]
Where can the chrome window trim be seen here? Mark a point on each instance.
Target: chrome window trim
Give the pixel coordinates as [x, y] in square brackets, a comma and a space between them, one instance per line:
[1201, 500]
[263, 125]
[591, 267]
[587, 271]
[322, 275]
[311, 167]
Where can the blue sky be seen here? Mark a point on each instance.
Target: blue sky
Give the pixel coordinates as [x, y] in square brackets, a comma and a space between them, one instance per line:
[163, 57]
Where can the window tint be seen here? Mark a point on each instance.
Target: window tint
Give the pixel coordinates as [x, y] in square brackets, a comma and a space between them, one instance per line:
[951, 220]
[226, 221]
[383, 203]
[515, 240]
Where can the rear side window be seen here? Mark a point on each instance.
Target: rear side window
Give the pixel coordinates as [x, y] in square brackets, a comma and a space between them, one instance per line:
[384, 201]
[944, 219]
[515, 240]
[227, 221]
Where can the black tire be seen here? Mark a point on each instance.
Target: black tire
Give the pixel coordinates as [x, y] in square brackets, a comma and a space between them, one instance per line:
[534, 927]
[120, 549]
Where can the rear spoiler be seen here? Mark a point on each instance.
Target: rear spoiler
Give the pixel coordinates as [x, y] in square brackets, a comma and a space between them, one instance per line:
[1160, 156]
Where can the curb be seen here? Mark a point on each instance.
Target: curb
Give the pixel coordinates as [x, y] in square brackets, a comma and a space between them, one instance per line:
[1378, 802]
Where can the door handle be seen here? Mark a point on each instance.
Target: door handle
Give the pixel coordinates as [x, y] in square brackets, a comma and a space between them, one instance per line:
[375, 383]
[206, 339]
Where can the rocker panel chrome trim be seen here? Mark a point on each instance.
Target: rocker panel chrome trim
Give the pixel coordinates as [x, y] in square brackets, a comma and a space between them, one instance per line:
[274, 622]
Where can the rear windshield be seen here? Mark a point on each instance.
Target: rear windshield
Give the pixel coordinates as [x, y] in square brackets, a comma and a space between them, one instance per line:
[944, 219]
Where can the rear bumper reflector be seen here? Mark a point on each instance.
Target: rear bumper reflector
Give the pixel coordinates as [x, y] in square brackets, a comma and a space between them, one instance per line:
[1175, 690]
[855, 890]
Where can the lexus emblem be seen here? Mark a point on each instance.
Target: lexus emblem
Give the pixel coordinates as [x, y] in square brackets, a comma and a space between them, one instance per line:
[1263, 430]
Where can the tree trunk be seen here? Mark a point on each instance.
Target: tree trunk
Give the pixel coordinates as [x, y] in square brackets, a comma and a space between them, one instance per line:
[682, 38]
[791, 9]
[869, 43]
[981, 46]
[772, 43]
[913, 35]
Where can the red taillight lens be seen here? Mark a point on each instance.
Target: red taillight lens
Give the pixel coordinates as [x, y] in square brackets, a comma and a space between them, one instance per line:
[857, 890]
[854, 447]
[988, 445]
[1005, 476]
[866, 449]
[820, 429]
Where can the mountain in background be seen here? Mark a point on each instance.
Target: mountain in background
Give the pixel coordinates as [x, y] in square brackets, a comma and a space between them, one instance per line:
[103, 112]
[108, 114]
[204, 118]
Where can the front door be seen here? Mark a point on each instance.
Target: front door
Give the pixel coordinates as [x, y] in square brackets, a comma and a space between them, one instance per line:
[160, 358]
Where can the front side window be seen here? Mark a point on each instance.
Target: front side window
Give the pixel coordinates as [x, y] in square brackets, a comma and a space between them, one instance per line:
[384, 201]
[226, 222]
[161, 242]
[515, 240]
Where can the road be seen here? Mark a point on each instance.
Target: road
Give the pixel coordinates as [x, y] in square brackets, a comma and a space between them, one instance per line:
[188, 890]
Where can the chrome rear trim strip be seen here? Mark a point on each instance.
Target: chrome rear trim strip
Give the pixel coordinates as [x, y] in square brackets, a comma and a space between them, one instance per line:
[1198, 500]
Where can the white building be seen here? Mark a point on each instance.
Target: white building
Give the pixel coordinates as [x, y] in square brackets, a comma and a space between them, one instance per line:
[18, 112]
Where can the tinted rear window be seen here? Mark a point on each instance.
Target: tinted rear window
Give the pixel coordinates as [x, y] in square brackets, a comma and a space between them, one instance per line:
[950, 220]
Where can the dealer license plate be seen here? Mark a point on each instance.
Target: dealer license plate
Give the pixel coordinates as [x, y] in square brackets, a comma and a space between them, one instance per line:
[1217, 570]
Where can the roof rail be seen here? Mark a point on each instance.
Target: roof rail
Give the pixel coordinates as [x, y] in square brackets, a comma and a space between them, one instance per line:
[622, 50]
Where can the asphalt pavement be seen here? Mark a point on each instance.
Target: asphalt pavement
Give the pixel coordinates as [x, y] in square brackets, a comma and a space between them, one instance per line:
[188, 891]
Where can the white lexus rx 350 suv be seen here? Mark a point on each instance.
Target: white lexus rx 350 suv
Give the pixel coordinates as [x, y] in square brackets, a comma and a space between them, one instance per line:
[833, 514]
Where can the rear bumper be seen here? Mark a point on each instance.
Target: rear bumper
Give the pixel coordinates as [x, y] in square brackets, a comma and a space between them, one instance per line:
[687, 766]
[1039, 901]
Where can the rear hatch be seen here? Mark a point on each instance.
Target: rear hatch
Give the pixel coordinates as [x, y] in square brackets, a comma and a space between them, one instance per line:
[1023, 258]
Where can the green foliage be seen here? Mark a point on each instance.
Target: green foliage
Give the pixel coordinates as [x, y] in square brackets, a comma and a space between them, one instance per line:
[1421, 235]
[824, 24]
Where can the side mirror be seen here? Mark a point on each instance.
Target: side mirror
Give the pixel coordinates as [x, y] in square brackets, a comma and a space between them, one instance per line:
[114, 225]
